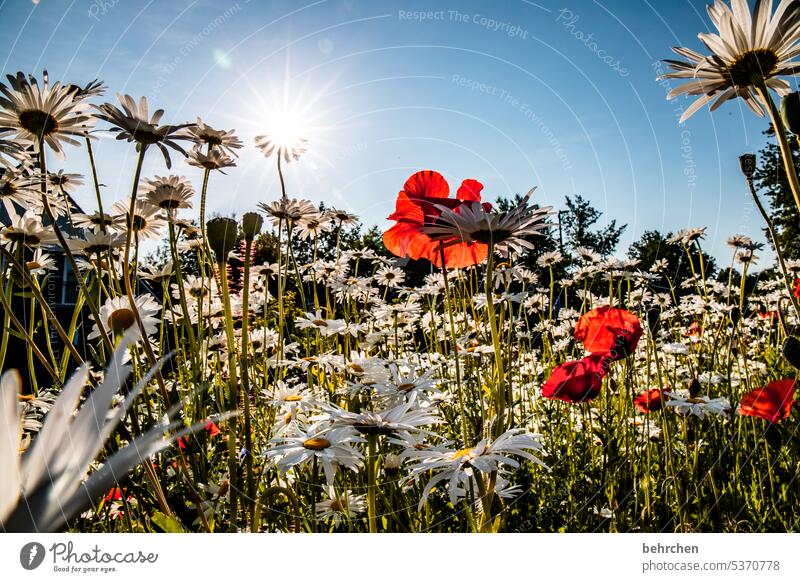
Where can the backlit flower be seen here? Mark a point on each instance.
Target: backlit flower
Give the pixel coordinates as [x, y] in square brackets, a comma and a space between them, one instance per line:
[63, 182]
[577, 381]
[610, 331]
[27, 229]
[147, 222]
[49, 113]
[473, 222]
[134, 124]
[18, 189]
[118, 317]
[403, 418]
[748, 50]
[772, 402]
[332, 448]
[168, 192]
[700, 406]
[287, 147]
[289, 210]
[456, 468]
[205, 135]
[419, 204]
[342, 506]
[216, 159]
[649, 400]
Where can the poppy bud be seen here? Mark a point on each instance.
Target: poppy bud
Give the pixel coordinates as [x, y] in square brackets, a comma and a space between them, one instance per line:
[222, 234]
[735, 315]
[251, 225]
[121, 320]
[654, 320]
[790, 111]
[772, 434]
[747, 162]
[791, 351]
[694, 388]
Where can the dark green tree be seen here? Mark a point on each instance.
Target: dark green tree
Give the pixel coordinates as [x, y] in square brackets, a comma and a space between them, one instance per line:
[652, 246]
[770, 181]
[578, 227]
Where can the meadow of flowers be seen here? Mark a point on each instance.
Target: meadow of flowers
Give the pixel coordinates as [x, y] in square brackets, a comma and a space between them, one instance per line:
[250, 378]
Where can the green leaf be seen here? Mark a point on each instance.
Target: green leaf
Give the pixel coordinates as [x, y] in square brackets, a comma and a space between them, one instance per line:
[167, 524]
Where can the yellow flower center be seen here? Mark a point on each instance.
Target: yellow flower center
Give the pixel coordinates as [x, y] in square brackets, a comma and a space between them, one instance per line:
[317, 444]
[121, 319]
[292, 398]
[462, 453]
[339, 505]
[38, 122]
[752, 65]
[487, 236]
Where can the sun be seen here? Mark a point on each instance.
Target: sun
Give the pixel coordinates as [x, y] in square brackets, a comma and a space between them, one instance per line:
[285, 137]
[287, 130]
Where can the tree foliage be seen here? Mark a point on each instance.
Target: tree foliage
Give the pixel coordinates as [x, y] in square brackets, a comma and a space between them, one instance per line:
[770, 180]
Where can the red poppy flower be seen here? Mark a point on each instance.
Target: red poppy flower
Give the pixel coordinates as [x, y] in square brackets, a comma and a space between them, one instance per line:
[608, 330]
[773, 402]
[694, 330]
[416, 207]
[211, 428]
[114, 494]
[796, 291]
[577, 381]
[649, 400]
[768, 315]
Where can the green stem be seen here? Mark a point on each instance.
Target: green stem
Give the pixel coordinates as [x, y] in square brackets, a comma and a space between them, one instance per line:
[126, 276]
[372, 506]
[96, 184]
[245, 364]
[771, 228]
[233, 395]
[500, 378]
[173, 244]
[783, 140]
[449, 304]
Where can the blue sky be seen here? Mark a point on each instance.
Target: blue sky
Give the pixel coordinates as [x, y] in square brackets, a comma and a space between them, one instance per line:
[515, 93]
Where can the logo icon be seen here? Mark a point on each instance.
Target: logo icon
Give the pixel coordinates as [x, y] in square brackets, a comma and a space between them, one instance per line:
[31, 555]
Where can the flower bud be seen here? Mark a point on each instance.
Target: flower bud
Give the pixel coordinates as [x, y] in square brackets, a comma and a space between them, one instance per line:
[251, 225]
[790, 112]
[694, 388]
[747, 162]
[121, 320]
[735, 315]
[222, 234]
[791, 351]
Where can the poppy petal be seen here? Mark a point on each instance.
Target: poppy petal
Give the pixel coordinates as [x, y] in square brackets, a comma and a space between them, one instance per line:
[470, 190]
[427, 183]
[772, 402]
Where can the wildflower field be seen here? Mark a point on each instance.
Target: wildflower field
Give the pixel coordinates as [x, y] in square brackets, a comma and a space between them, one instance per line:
[484, 364]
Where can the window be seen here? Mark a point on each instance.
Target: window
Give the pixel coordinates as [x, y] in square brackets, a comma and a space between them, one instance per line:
[69, 285]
